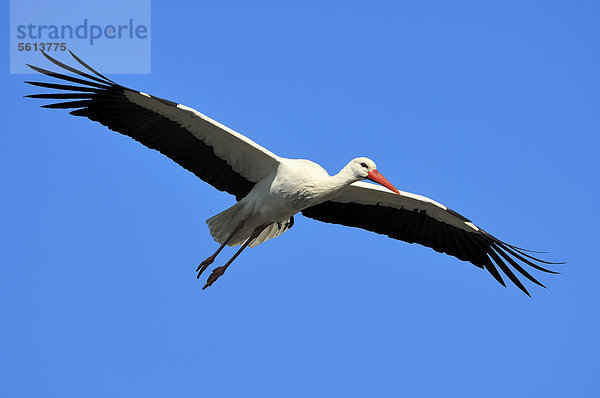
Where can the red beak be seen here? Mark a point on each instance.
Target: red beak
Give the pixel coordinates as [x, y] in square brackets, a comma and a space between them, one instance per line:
[376, 176]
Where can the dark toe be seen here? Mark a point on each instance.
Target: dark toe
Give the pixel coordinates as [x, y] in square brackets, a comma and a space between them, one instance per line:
[204, 264]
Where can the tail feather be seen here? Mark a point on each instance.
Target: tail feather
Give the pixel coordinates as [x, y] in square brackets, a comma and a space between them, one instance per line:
[224, 223]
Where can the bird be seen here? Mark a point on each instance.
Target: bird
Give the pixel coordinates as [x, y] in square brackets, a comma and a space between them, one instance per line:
[269, 189]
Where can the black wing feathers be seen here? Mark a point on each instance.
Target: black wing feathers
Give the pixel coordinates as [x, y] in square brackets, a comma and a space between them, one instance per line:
[100, 99]
[416, 226]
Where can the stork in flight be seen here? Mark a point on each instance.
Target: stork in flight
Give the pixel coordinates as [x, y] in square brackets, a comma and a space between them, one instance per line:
[271, 189]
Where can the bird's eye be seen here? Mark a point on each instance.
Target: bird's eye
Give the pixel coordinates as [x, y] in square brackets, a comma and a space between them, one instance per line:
[364, 165]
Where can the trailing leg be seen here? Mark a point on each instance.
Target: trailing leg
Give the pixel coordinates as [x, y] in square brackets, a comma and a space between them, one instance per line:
[204, 264]
[217, 272]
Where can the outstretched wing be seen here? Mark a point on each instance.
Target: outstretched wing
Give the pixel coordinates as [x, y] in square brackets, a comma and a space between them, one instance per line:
[417, 219]
[218, 155]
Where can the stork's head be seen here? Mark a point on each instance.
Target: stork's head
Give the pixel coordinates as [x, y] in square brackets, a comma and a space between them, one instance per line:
[365, 169]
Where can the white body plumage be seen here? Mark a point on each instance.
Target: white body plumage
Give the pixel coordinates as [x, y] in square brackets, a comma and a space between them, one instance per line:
[296, 185]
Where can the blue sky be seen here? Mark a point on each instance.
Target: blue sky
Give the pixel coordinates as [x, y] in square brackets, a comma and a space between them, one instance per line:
[488, 107]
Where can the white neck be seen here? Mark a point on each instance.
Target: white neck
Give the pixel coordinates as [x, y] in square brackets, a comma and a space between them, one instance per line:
[344, 178]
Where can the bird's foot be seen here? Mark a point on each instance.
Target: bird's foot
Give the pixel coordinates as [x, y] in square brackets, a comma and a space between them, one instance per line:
[216, 273]
[203, 265]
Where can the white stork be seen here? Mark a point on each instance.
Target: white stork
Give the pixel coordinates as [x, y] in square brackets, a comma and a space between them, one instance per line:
[271, 189]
